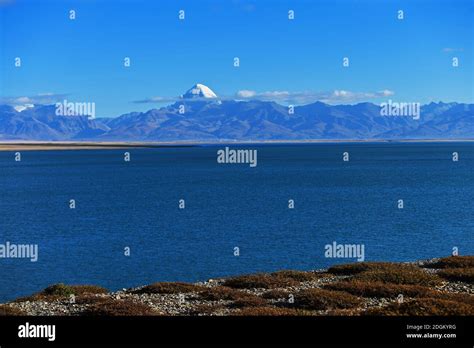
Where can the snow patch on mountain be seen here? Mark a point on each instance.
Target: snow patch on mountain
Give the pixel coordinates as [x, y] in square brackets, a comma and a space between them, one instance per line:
[20, 108]
[199, 91]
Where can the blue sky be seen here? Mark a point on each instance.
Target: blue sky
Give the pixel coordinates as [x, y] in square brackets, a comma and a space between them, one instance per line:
[286, 61]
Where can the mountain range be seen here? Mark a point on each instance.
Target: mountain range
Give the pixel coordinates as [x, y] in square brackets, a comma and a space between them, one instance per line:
[200, 115]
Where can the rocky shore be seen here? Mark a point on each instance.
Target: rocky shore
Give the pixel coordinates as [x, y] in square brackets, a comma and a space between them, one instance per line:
[442, 286]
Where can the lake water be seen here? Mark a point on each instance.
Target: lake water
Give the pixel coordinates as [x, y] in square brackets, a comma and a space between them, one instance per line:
[135, 204]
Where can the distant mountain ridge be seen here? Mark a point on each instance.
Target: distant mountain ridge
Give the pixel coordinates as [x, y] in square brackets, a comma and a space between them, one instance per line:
[239, 120]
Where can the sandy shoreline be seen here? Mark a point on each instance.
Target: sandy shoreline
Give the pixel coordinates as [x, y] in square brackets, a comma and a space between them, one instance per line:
[86, 145]
[44, 146]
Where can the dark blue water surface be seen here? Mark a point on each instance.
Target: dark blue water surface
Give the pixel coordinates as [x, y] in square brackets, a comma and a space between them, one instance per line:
[135, 204]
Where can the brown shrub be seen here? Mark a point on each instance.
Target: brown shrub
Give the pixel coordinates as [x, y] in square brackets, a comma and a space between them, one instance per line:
[90, 299]
[464, 298]
[85, 289]
[248, 301]
[39, 297]
[348, 269]
[221, 293]
[386, 272]
[423, 307]
[400, 274]
[299, 276]
[453, 262]
[458, 274]
[378, 289]
[267, 311]
[168, 288]
[345, 312]
[261, 280]
[62, 291]
[319, 299]
[119, 308]
[276, 294]
[359, 267]
[206, 309]
[273, 280]
[10, 311]
[239, 298]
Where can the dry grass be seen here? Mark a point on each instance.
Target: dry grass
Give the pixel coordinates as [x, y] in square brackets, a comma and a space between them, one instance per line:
[90, 299]
[386, 272]
[463, 298]
[320, 299]
[119, 308]
[299, 276]
[259, 281]
[267, 311]
[276, 294]
[359, 267]
[221, 293]
[10, 311]
[206, 309]
[378, 289]
[458, 274]
[453, 262]
[168, 288]
[423, 307]
[399, 274]
[344, 312]
[239, 299]
[248, 301]
[62, 291]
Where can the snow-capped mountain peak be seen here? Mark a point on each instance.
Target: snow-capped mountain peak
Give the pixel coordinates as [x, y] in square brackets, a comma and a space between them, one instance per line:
[20, 108]
[199, 91]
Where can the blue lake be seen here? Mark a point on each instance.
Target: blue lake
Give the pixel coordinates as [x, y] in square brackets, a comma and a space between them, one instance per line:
[135, 204]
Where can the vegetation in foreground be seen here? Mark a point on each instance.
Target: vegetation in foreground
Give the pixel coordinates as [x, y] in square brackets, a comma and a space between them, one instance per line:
[437, 287]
